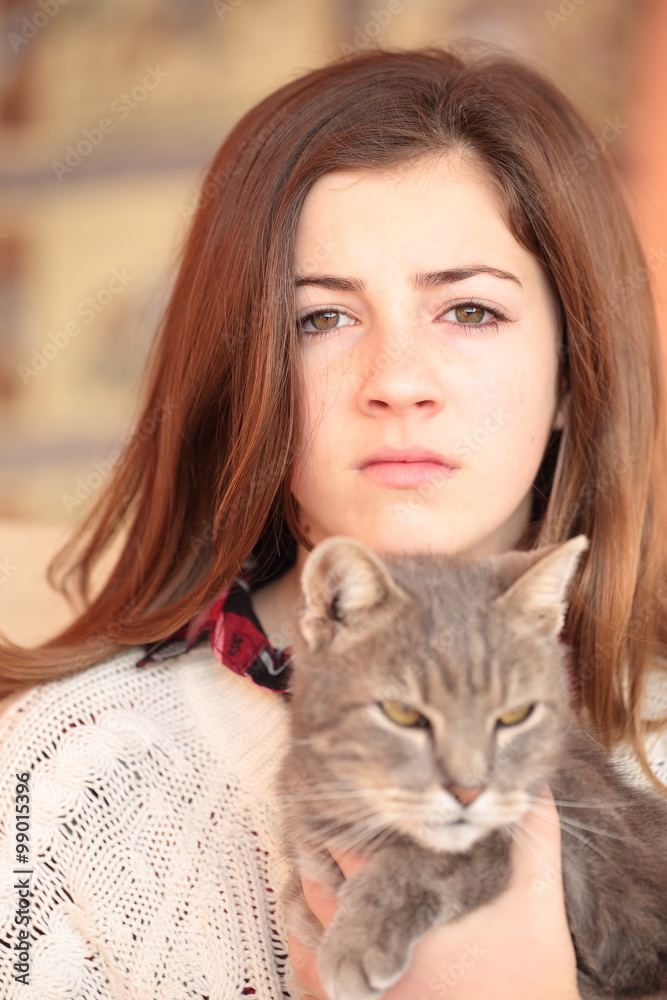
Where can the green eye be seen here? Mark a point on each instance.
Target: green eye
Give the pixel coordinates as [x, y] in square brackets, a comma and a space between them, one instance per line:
[403, 715]
[516, 715]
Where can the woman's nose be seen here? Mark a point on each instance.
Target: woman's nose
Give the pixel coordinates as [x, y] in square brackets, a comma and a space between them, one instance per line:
[399, 369]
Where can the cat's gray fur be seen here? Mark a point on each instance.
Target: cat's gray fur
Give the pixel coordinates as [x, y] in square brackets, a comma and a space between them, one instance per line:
[461, 641]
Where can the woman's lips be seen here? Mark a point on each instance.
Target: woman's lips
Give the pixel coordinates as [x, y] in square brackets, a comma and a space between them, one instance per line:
[406, 475]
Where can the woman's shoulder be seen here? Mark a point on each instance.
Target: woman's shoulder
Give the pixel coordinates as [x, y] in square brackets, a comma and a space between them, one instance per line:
[152, 829]
[654, 711]
[191, 699]
[655, 692]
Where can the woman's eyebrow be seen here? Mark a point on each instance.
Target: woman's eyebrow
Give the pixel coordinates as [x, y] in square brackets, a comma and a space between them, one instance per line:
[424, 279]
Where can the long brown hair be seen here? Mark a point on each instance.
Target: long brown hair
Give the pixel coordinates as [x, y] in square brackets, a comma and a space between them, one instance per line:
[198, 490]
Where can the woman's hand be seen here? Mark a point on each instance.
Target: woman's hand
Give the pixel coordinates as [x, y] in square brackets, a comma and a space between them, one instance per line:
[517, 946]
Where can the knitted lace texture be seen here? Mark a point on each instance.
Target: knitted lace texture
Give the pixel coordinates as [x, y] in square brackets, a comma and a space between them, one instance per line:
[153, 841]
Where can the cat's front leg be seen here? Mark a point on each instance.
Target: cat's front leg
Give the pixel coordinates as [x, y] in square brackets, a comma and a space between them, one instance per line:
[368, 945]
[400, 896]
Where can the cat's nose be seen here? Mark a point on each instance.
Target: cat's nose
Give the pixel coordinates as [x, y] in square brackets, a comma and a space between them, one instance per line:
[465, 795]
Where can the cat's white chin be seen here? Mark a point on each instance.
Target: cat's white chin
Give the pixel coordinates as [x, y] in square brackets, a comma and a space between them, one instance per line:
[452, 837]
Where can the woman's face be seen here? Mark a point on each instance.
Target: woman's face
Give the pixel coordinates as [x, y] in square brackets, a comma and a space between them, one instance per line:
[405, 270]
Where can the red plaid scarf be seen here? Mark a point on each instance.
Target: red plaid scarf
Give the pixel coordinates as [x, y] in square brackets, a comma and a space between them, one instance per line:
[236, 636]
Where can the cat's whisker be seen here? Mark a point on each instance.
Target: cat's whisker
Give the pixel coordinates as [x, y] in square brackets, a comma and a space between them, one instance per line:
[355, 822]
[592, 805]
[321, 783]
[320, 790]
[573, 832]
[375, 836]
[352, 818]
[385, 796]
[355, 811]
[350, 793]
[566, 820]
[410, 801]
[517, 833]
[326, 833]
[526, 843]
[570, 825]
[351, 833]
[589, 843]
[540, 807]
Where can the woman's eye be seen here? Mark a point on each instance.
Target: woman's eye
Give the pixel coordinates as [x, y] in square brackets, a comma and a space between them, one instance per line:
[473, 313]
[469, 313]
[322, 320]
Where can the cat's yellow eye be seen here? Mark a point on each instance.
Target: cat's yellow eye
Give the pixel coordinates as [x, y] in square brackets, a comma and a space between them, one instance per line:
[402, 714]
[515, 716]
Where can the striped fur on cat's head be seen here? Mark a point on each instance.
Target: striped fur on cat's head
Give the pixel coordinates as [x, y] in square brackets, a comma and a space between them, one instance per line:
[432, 693]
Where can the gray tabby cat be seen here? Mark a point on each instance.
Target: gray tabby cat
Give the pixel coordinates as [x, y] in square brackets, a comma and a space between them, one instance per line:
[430, 705]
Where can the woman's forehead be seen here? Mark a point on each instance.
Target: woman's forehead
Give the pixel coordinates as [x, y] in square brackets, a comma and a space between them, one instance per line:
[435, 213]
[455, 164]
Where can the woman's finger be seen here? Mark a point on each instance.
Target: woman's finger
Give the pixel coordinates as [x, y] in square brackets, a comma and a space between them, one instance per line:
[319, 901]
[537, 848]
[305, 967]
[323, 906]
[348, 863]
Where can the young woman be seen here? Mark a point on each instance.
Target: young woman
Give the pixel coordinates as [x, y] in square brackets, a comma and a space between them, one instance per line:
[407, 311]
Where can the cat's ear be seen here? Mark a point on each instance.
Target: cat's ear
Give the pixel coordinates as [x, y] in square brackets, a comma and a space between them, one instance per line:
[540, 592]
[342, 583]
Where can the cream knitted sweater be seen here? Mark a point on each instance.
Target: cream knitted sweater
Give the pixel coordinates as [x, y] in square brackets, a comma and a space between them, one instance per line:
[153, 838]
[154, 860]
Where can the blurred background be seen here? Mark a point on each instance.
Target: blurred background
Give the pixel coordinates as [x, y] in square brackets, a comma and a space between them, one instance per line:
[110, 111]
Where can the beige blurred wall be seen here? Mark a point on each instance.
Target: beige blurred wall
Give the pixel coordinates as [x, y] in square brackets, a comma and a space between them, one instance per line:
[647, 142]
[30, 611]
[194, 67]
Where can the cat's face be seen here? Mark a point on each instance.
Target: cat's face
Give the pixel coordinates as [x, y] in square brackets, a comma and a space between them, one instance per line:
[433, 690]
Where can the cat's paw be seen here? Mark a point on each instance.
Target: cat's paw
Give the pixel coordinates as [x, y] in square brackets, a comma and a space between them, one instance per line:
[354, 970]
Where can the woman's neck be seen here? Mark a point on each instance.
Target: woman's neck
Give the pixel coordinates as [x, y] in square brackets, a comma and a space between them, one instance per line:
[276, 603]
